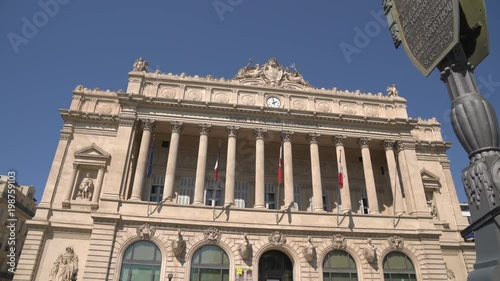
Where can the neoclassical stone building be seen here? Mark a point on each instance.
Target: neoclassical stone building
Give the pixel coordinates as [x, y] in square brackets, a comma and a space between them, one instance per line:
[133, 192]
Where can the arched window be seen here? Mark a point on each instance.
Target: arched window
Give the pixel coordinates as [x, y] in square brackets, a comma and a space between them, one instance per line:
[210, 263]
[141, 262]
[339, 265]
[397, 266]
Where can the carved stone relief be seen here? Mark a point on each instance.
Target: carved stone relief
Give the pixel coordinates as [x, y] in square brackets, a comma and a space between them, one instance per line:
[309, 251]
[221, 98]
[277, 238]
[348, 109]
[179, 245]
[245, 249]
[370, 252]
[212, 235]
[104, 108]
[372, 112]
[323, 107]
[167, 93]
[65, 268]
[338, 241]
[299, 104]
[86, 188]
[396, 242]
[145, 232]
[247, 100]
[194, 95]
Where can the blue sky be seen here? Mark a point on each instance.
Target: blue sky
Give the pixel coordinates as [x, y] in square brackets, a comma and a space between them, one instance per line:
[95, 43]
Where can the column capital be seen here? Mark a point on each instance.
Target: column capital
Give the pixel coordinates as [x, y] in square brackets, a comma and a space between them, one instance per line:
[338, 140]
[389, 144]
[287, 135]
[232, 131]
[364, 142]
[445, 165]
[176, 126]
[148, 124]
[102, 167]
[313, 138]
[259, 133]
[205, 129]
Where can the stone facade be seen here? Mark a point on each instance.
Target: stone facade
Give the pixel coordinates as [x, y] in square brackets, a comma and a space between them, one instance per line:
[13, 219]
[138, 165]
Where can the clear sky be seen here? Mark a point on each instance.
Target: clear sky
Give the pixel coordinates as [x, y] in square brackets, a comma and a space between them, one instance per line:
[48, 49]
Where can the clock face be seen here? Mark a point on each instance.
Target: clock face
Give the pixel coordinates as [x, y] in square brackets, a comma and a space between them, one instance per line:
[273, 102]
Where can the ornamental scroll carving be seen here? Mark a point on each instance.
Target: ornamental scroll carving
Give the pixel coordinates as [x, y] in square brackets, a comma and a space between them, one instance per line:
[277, 238]
[65, 268]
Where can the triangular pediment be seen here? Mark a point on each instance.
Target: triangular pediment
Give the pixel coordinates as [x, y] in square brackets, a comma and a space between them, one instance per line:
[92, 151]
[428, 176]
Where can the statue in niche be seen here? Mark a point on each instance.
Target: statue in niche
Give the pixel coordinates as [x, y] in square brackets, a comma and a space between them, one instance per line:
[86, 188]
[66, 267]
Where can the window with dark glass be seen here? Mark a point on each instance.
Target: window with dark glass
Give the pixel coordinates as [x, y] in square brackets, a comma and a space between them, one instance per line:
[339, 266]
[210, 263]
[397, 266]
[141, 262]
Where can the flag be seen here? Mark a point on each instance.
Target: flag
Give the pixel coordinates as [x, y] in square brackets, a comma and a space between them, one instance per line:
[280, 165]
[150, 161]
[216, 168]
[341, 173]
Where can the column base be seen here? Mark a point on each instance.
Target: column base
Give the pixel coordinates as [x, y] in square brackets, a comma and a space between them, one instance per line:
[135, 198]
[376, 212]
[319, 211]
[197, 203]
[259, 207]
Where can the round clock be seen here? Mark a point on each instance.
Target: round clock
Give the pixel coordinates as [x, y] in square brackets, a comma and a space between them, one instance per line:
[273, 102]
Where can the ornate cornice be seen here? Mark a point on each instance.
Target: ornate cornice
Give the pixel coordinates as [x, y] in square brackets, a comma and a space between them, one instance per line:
[364, 142]
[127, 122]
[287, 135]
[400, 146]
[260, 133]
[313, 138]
[338, 140]
[205, 129]
[232, 131]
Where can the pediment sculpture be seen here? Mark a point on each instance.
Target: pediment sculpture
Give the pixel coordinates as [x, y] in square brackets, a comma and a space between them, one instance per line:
[273, 74]
[65, 268]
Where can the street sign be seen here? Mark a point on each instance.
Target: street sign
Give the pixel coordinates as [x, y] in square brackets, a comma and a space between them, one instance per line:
[474, 30]
[428, 29]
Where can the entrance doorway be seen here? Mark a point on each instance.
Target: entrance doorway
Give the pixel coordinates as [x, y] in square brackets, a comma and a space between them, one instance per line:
[275, 266]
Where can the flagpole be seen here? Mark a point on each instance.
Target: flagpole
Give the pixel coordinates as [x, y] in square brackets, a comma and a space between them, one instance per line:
[216, 183]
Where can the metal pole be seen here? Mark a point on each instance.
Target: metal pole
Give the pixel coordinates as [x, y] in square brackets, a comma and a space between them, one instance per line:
[476, 125]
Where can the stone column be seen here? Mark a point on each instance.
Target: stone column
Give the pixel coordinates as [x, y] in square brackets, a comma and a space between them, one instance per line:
[288, 169]
[398, 203]
[371, 190]
[345, 193]
[173, 150]
[98, 187]
[259, 168]
[313, 139]
[142, 161]
[201, 166]
[412, 179]
[230, 165]
[69, 191]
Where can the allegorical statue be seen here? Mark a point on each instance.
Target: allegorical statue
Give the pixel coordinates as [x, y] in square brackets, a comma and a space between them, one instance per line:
[86, 188]
[66, 267]
[392, 91]
[141, 64]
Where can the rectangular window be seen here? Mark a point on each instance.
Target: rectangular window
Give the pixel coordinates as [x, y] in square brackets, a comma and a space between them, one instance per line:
[213, 193]
[186, 191]
[241, 194]
[156, 191]
[269, 196]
